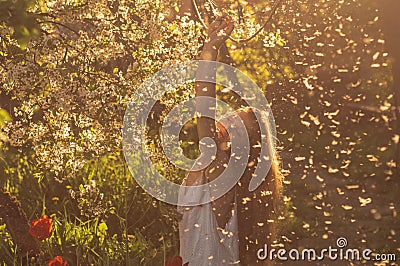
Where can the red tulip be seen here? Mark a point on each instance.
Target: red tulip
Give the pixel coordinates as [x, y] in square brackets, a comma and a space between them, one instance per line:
[41, 228]
[175, 261]
[57, 261]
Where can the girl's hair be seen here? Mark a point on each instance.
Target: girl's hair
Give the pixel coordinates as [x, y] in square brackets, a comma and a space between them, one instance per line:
[258, 211]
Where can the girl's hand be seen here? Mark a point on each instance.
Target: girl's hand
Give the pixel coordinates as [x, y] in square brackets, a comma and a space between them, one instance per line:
[219, 32]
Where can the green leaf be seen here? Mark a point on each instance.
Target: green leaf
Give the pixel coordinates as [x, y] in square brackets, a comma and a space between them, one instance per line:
[4, 117]
[103, 227]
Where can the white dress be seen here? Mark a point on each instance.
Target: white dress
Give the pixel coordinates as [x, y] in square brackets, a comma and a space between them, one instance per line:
[202, 243]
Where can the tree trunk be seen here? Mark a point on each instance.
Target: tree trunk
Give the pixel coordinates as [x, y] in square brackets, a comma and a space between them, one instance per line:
[17, 224]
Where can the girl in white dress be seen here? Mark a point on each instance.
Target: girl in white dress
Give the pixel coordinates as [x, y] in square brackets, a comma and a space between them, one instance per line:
[230, 229]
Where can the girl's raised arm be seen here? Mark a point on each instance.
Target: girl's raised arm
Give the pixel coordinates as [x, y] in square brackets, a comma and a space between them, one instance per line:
[218, 32]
